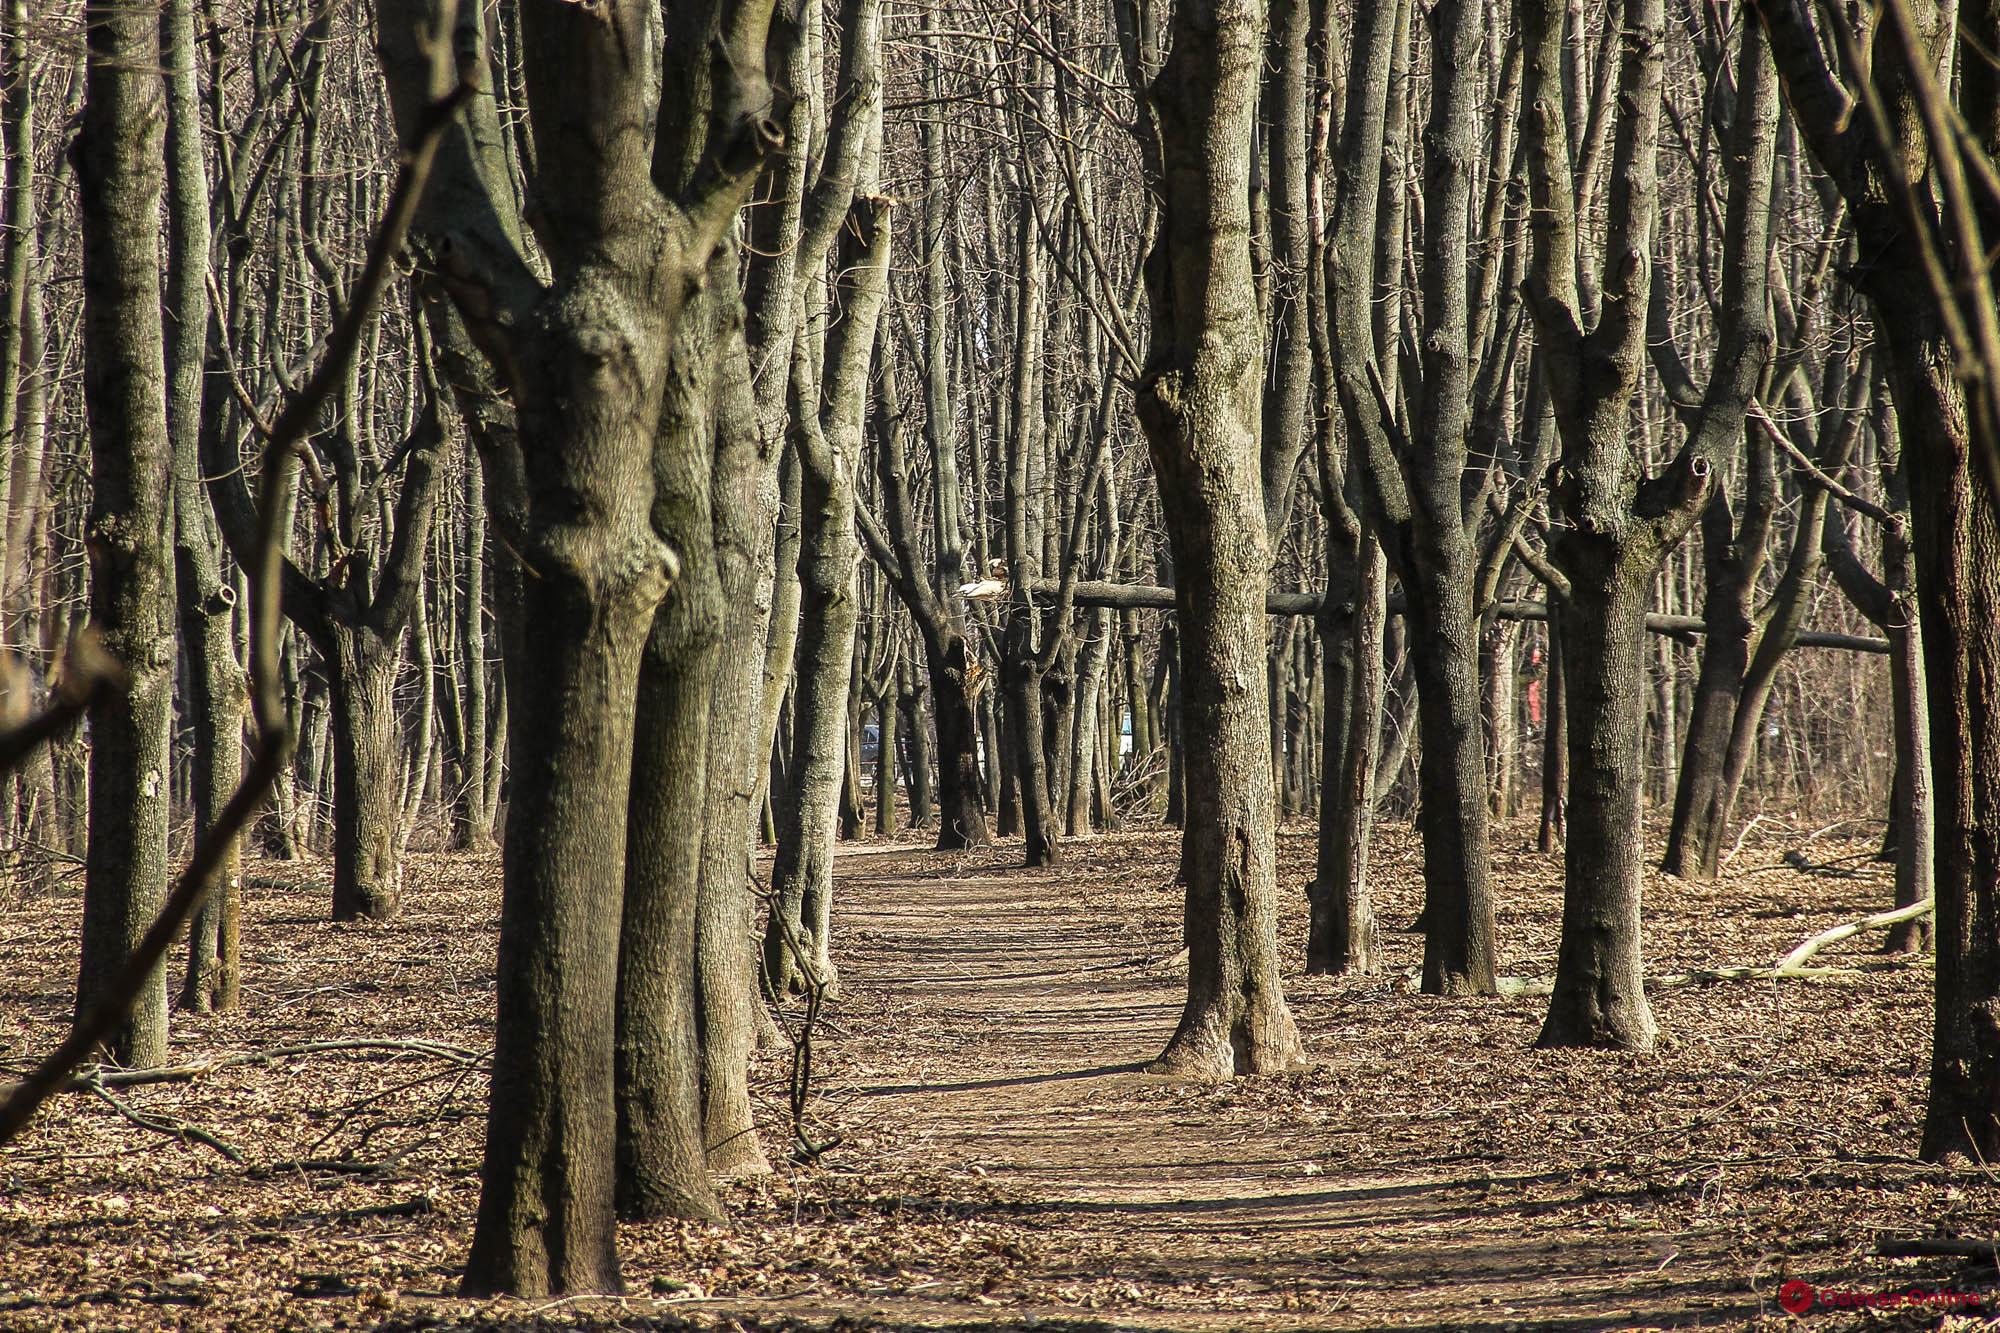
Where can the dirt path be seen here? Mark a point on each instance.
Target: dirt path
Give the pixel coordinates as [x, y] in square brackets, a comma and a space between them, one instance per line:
[1027, 1009]
[1002, 1163]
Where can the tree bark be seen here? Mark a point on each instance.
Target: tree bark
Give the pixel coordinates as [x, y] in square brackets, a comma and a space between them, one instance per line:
[367, 875]
[1621, 526]
[121, 178]
[585, 360]
[213, 687]
[1955, 531]
[829, 450]
[1199, 402]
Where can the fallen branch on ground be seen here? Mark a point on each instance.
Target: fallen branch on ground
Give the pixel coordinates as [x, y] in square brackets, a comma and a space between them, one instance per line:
[187, 1073]
[179, 1129]
[1792, 967]
[1931, 1247]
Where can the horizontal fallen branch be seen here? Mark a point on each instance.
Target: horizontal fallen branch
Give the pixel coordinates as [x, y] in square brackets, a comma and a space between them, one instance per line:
[1936, 1247]
[1153, 597]
[1792, 967]
[104, 1077]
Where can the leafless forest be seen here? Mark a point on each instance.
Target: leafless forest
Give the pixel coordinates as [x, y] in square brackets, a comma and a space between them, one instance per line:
[1083, 664]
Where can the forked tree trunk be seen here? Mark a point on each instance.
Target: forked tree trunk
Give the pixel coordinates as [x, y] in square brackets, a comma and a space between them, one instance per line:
[1727, 632]
[1416, 493]
[585, 360]
[1024, 741]
[120, 164]
[1621, 528]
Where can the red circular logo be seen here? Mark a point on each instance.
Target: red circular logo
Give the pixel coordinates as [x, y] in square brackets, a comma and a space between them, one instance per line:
[1796, 1296]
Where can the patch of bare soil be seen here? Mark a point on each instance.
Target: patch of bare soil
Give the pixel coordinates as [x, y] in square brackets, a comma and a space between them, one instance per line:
[1002, 1163]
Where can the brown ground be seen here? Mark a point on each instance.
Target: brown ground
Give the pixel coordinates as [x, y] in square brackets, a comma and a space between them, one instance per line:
[1001, 1162]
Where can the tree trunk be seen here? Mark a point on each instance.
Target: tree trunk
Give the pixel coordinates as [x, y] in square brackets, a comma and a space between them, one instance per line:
[213, 687]
[1083, 736]
[1600, 991]
[885, 761]
[662, 1156]
[1024, 740]
[473, 808]
[960, 797]
[1955, 527]
[1341, 938]
[917, 727]
[367, 879]
[802, 874]
[851, 805]
[1915, 803]
[1459, 946]
[120, 162]
[1200, 405]
[1725, 657]
[744, 509]
[1555, 744]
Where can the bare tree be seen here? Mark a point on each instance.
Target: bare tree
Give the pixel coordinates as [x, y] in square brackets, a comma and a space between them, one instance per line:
[586, 359]
[1200, 402]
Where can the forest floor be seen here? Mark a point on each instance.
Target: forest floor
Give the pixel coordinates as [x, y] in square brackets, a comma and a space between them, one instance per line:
[1002, 1163]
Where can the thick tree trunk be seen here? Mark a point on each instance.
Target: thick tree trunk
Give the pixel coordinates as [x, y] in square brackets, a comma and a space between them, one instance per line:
[1200, 405]
[1955, 527]
[1600, 991]
[961, 810]
[662, 1158]
[367, 879]
[1451, 772]
[1024, 741]
[120, 163]
[744, 509]
[546, 1205]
